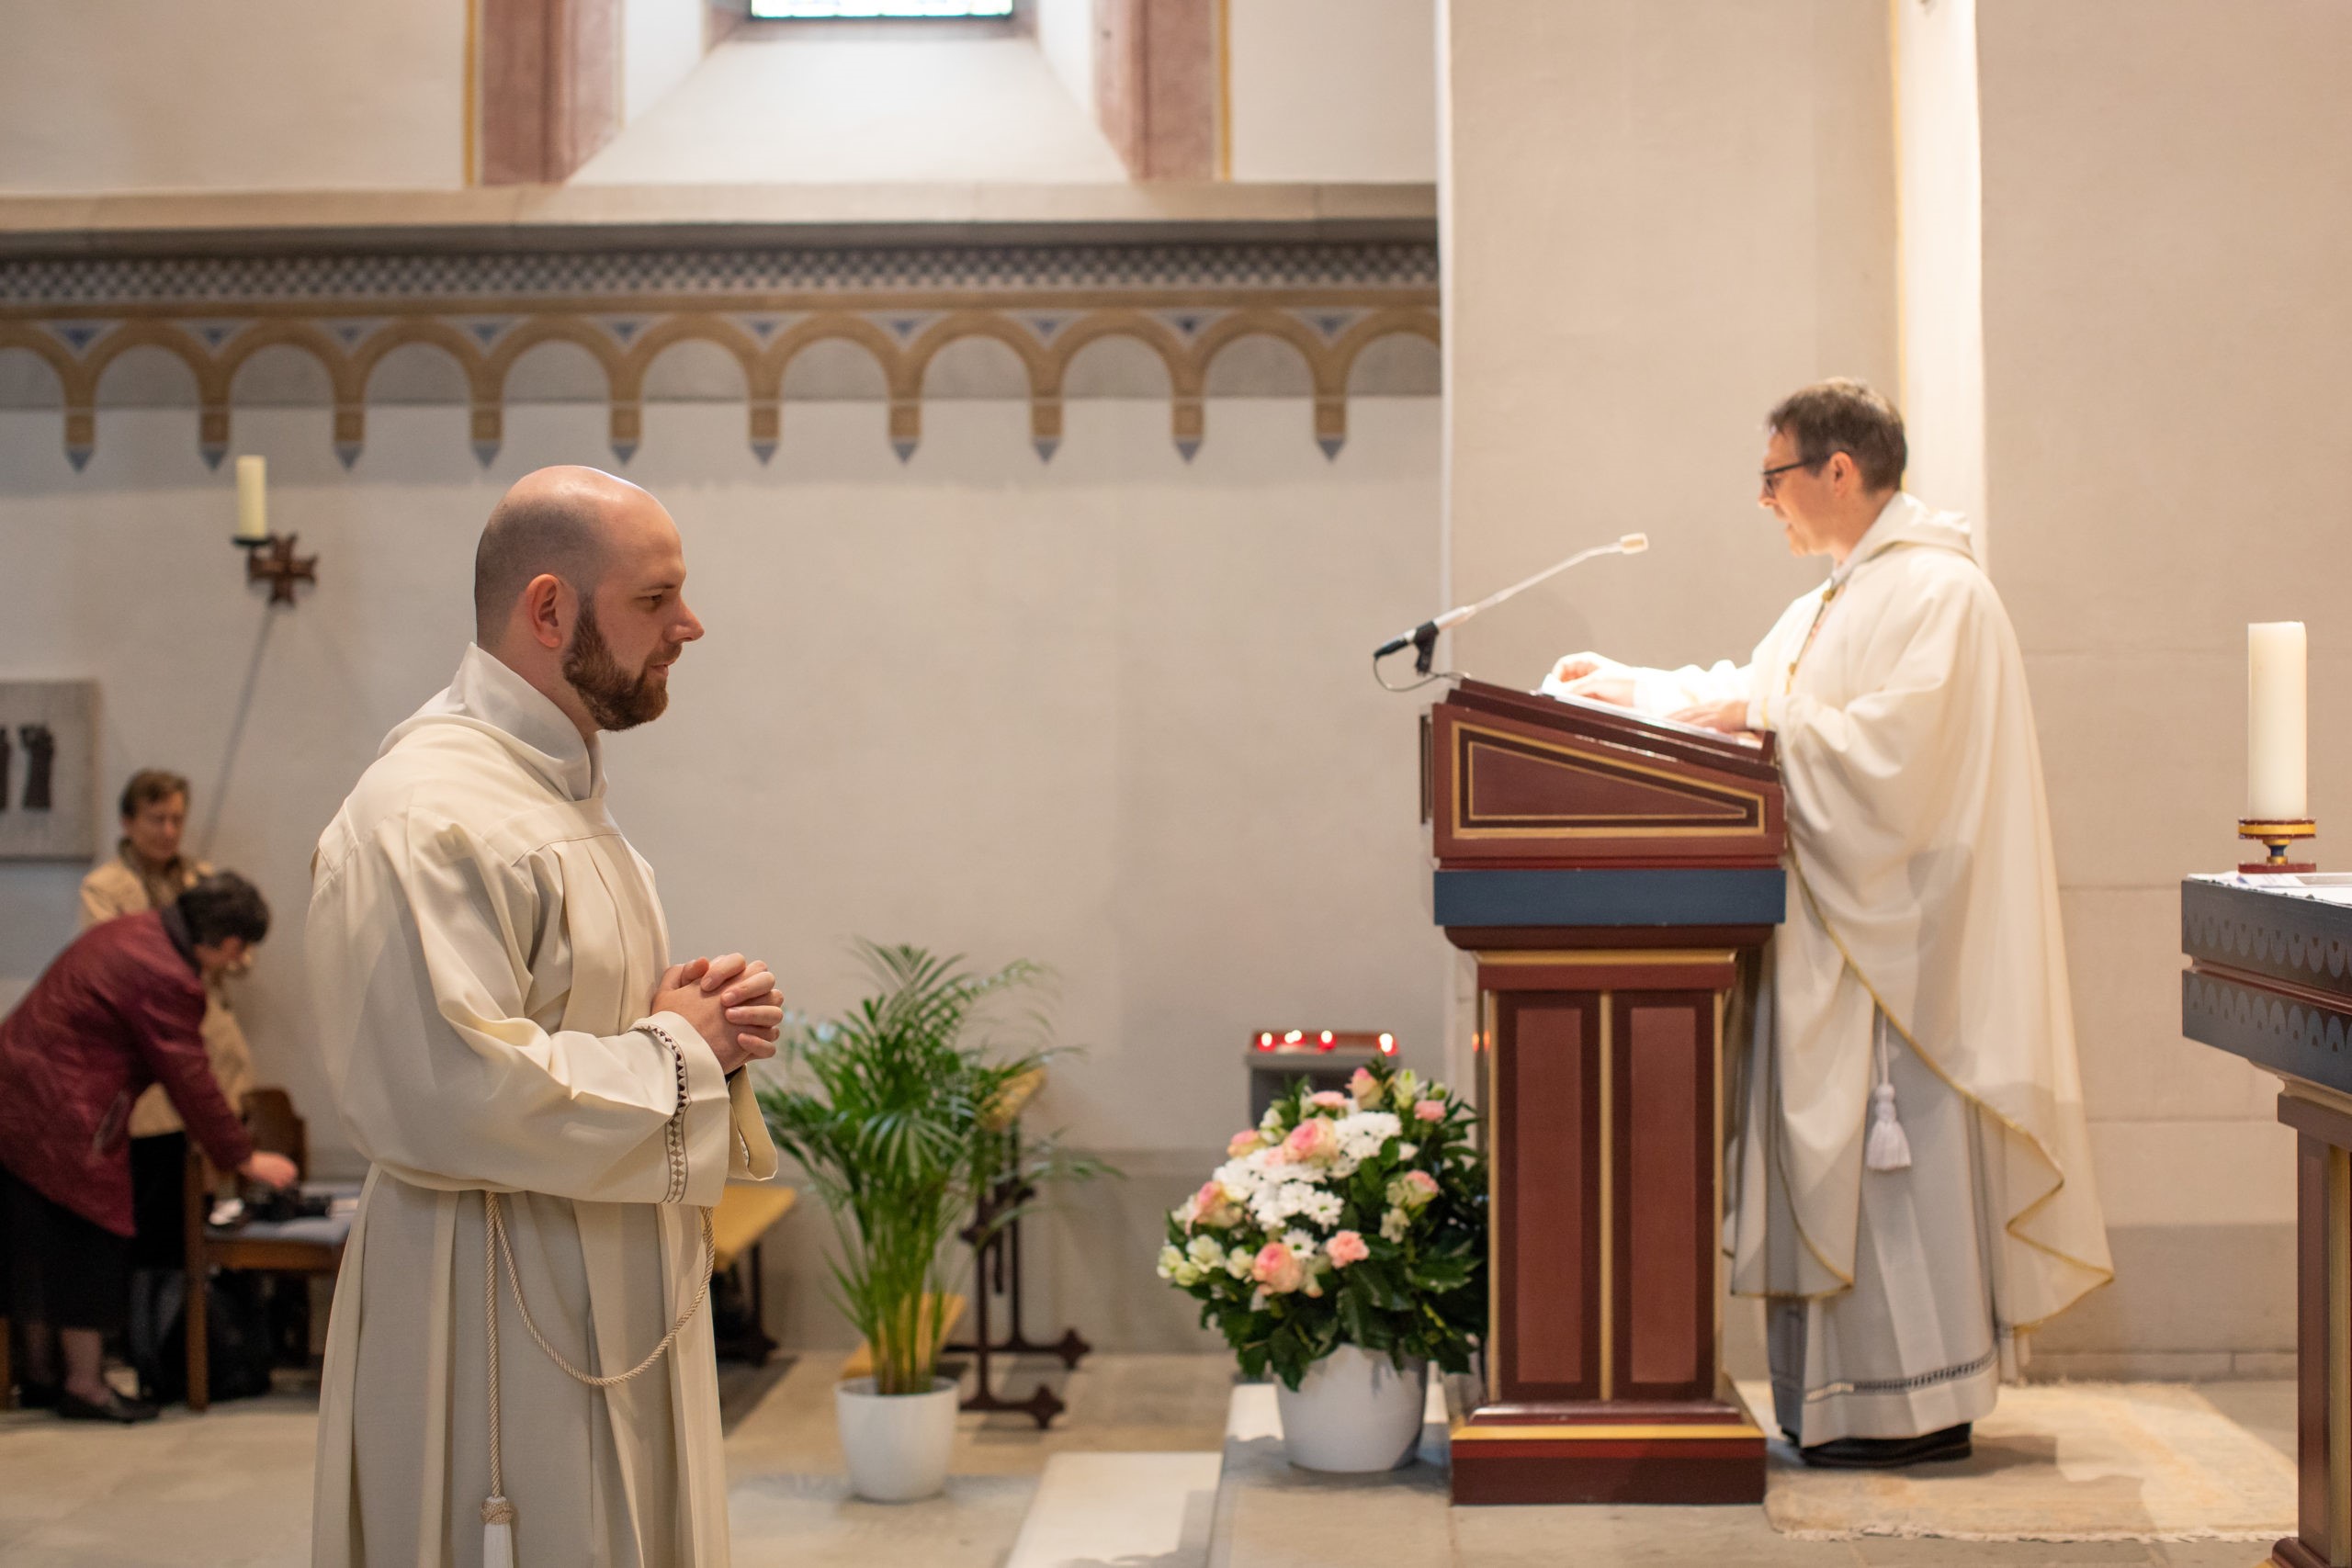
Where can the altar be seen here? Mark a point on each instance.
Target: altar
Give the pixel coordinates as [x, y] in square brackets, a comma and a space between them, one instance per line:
[2270, 979]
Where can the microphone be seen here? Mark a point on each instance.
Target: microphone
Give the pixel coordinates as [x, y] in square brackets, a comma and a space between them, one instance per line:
[1423, 637]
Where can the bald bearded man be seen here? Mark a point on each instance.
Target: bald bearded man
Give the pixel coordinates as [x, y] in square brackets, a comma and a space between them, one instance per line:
[518, 1363]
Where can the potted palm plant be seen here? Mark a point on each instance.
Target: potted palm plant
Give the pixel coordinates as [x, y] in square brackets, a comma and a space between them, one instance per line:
[894, 1112]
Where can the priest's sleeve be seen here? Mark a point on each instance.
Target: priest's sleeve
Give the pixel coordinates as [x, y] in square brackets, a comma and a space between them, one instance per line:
[420, 946]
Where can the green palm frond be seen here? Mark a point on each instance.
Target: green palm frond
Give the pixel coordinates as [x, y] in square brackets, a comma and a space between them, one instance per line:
[884, 1109]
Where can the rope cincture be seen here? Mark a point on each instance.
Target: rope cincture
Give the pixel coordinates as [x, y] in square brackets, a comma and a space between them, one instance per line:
[494, 1228]
[498, 1514]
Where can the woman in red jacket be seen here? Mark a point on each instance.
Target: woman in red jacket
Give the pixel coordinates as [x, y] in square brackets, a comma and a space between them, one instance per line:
[122, 1008]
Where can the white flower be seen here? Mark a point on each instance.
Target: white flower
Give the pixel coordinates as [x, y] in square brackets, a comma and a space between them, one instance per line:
[1408, 1151]
[1205, 1252]
[1364, 1134]
[1237, 1262]
[1170, 1261]
[1186, 1274]
[1278, 1202]
[1298, 1241]
[1394, 1224]
[1324, 1208]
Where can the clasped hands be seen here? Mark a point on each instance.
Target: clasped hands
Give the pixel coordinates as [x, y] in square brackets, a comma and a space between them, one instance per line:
[1596, 679]
[733, 1003]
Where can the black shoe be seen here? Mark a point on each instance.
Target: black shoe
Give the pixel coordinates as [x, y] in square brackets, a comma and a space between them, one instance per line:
[1889, 1453]
[37, 1395]
[72, 1407]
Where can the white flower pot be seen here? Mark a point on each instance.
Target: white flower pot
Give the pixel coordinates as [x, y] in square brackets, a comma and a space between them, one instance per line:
[896, 1444]
[1352, 1412]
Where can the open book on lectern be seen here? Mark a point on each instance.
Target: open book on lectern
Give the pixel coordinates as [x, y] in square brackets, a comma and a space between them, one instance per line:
[1518, 778]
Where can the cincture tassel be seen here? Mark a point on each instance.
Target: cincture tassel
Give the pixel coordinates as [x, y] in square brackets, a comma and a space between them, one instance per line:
[1888, 1148]
[497, 1513]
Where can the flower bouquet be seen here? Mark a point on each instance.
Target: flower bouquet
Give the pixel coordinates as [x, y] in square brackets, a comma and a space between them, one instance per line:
[1342, 1219]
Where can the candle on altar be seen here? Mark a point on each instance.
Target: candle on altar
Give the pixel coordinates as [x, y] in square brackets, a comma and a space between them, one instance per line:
[2275, 722]
[253, 505]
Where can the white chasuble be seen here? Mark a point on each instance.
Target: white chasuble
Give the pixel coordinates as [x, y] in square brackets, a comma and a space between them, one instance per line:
[483, 946]
[1922, 887]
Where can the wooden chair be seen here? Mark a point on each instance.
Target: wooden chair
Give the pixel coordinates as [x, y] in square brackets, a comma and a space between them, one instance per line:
[745, 1215]
[264, 1248]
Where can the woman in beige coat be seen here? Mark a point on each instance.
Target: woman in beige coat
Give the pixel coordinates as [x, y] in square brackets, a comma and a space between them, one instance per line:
[148, 871]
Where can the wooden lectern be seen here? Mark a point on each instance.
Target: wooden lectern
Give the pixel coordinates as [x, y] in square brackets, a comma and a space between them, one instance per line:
[1608, 872]
[2270, 979]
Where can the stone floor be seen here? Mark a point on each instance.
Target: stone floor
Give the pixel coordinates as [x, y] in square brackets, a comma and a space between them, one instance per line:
[232, 1488]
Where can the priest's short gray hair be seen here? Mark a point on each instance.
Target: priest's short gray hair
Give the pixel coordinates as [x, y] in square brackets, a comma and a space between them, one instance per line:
[1842, 416]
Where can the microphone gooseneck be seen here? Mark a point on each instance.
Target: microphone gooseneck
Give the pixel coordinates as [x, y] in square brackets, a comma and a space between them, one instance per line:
[1422, 639]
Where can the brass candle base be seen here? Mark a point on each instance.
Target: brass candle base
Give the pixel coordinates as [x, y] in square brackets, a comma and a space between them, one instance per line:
[2275, 835]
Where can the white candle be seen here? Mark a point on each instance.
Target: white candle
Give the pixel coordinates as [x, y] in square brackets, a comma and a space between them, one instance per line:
[2275, 722]
[252, 504]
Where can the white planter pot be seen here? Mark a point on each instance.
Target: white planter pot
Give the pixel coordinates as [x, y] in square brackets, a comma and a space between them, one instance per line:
[896, 1444]
[1352, 1412]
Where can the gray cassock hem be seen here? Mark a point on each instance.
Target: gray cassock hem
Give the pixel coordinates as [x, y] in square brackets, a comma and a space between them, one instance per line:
[1913, 1346]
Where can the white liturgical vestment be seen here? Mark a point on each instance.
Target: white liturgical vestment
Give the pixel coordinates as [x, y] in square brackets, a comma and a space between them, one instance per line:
[1923, 893]
[483, 946]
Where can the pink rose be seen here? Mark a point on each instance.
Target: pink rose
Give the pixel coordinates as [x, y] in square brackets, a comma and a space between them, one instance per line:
[1278, 1269]
[1329, 1099]
[1429, 1110]
[1346, 1247]
[1246, 1143]
[1364, 1088]
[1210, 1207]
[1317, 1138]
[1420, 1187]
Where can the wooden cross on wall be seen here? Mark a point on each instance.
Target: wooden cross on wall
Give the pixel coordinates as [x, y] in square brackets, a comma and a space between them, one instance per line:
[274, 562]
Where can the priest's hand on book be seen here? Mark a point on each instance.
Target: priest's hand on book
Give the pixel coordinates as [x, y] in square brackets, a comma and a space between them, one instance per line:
[1591, 677]
[1730, 718]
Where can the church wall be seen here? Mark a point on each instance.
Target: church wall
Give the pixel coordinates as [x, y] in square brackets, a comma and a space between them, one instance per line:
[661, 42]
[1333, 90]
[231, 95]
[2165, 245]
[1108, 712]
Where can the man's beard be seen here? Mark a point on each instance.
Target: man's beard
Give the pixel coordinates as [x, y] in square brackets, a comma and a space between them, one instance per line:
[614, 698]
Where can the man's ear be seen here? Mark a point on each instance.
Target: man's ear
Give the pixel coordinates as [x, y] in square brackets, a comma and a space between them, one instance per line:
[544, 609]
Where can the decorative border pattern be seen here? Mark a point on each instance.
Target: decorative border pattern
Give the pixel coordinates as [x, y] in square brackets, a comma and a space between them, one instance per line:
[2299, 1039]
[2277, 932]
[1185, 303]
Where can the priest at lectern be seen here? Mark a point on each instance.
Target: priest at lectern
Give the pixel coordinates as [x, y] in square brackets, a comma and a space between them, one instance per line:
[1911, 1186]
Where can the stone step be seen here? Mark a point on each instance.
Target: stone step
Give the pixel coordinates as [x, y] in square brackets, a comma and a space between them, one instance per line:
[1272, 1514]
[1243, 1508]
[1093, 1510]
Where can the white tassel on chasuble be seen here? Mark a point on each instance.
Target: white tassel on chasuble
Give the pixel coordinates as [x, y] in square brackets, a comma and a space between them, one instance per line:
[497, 1513]
[1888, 1148]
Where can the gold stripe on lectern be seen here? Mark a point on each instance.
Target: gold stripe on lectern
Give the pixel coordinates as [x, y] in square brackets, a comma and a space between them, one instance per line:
[2339, 1355]
[1608, 1237]
[1603, 1432]
[1491, 1117]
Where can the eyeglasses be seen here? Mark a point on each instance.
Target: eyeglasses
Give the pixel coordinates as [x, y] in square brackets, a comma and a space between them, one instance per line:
[1771, 477]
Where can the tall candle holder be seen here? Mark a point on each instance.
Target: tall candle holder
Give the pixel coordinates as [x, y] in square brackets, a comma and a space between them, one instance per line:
[2275, 836]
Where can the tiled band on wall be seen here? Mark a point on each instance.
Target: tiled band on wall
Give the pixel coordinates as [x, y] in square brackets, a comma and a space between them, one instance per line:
[1185, 304]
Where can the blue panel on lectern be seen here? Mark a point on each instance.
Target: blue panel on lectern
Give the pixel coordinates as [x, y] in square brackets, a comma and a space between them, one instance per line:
[1679, 896]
